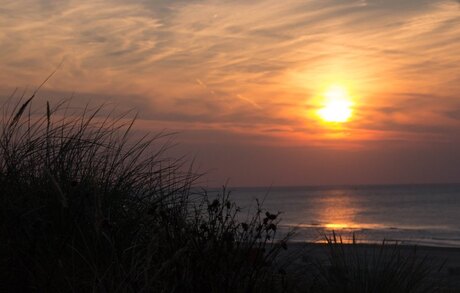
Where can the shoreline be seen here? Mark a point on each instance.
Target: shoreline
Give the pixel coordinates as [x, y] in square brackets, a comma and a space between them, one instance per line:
[387, 242]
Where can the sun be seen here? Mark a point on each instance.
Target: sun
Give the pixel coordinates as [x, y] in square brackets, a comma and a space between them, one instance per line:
[337, 105]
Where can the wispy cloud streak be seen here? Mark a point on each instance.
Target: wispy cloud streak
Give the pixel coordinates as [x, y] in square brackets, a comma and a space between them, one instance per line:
[248, 66]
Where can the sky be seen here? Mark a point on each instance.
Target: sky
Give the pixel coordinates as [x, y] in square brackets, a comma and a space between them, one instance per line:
[241, 82]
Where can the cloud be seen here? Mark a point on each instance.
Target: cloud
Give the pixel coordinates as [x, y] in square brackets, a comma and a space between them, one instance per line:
[233, 64]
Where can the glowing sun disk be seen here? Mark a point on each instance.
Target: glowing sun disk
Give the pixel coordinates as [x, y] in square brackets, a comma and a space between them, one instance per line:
[337, 105]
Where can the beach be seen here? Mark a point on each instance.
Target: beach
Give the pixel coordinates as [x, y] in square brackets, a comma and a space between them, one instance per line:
[444, 262]
[414, 221]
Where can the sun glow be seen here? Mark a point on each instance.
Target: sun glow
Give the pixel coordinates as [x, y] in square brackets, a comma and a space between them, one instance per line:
[337, 105]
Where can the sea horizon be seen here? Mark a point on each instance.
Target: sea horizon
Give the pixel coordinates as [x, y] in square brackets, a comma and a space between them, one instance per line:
[420, 214]
[231, 187]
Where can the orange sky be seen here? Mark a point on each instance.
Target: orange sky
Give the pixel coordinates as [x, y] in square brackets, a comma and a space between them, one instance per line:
[242, 80]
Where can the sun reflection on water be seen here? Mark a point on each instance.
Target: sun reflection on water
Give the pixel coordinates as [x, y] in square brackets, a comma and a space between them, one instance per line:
[335, 226]
[338, 212]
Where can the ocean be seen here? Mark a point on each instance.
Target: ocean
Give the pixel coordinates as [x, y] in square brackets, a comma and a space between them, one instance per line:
[407, 214]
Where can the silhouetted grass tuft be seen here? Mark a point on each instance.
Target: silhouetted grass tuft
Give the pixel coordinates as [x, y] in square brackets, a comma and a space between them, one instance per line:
[86, 207]
[353, 267]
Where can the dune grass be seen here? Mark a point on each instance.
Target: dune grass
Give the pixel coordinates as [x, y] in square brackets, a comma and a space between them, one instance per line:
[87, 207]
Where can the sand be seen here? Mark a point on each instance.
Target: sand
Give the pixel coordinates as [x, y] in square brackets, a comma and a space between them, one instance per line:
[445, 261]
